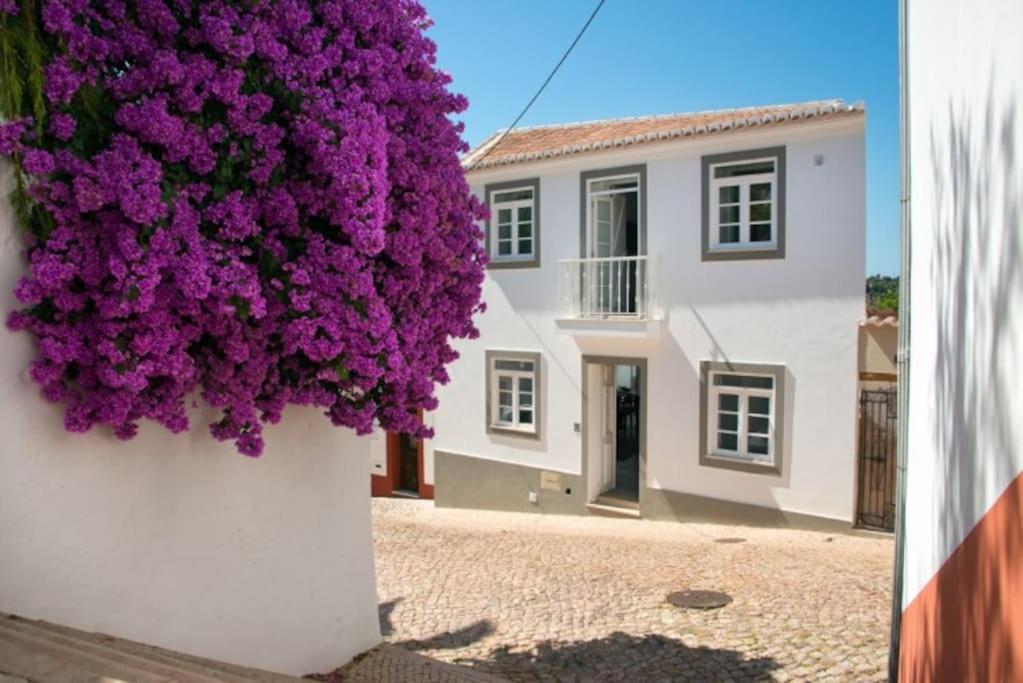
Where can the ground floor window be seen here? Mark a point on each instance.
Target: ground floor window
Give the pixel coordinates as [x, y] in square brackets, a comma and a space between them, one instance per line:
[513, 393]
[741, 415]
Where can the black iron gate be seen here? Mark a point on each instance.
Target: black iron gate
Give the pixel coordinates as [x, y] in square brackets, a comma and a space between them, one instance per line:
[876, 476]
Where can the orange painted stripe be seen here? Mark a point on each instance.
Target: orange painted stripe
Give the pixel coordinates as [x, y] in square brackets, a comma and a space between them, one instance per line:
[967, 622]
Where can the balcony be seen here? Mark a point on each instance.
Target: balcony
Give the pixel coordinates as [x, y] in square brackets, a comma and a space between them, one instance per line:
[614, 296]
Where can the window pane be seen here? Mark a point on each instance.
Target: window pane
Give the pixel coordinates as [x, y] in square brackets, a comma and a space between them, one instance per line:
[760, 405]
[603, 211]
[747, 381]
[760, 232]
[504, 383]
[759, 192]
[525, 400]
[728, 402]
[757, 425]
[728, 194]
[728, 421]
[504, 398]
[525, 383]
[504, 231]
[504, 215]
[513, 195]
[504, 248]
[760, 212]
[520, 365]
[526, 417]
[728, 214]
[728, 442]
[525, 247]
[748, 168]
[525, 213]
[757, 445]
[728, 234]
[621, 184]
[504, 414]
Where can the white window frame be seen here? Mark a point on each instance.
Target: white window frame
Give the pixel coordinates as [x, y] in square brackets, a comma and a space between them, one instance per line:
[516, 224]
[743, 182]
[496, 374]
[744, 393]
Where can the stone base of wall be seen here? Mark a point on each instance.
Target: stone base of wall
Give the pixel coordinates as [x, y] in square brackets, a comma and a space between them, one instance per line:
[686, 507]
[464, 481]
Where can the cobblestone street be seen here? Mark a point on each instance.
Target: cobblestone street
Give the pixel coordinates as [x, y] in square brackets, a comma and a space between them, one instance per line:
[532, 597]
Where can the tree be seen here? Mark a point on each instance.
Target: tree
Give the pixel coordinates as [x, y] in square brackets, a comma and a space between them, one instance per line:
[261, 202]
[883, 293]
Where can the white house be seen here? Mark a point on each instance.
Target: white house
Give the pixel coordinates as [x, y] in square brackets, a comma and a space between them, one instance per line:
[671, 325]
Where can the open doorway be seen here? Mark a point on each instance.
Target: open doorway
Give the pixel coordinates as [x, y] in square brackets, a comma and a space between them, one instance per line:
[614, 427]
[612, 245]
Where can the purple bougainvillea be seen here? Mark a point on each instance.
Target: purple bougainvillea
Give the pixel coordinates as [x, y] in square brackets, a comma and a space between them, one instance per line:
[260, 203]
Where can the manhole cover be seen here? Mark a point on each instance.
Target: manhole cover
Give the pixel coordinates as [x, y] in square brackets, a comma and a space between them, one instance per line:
[729, 540]
[699, 599]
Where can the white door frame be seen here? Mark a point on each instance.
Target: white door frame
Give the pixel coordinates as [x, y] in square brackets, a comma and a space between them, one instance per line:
[608, 427]
[592, 453]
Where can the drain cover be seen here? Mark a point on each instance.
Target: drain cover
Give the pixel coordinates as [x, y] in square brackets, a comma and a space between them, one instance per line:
[729, 540]
[699, 599]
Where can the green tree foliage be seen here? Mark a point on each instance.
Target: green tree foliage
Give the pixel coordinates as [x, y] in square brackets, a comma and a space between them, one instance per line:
[883, 293]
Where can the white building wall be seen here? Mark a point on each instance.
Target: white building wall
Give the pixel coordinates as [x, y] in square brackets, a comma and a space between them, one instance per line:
[177, 540]
[965, 443]
[801, 311]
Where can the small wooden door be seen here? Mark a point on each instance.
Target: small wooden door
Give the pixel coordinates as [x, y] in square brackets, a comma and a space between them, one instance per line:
[408, 462]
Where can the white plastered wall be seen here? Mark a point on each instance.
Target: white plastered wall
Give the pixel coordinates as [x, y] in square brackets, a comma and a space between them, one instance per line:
[965, 442]
[177, 540]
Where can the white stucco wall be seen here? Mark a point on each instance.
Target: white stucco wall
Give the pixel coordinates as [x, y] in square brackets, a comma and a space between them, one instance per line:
[177, 540]
[801, 311]
[965, 441]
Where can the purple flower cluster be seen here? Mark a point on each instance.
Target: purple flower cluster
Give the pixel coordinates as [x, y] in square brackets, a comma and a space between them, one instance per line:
[276, 215]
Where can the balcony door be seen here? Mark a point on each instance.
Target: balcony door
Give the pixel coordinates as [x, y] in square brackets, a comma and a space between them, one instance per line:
[612, 244]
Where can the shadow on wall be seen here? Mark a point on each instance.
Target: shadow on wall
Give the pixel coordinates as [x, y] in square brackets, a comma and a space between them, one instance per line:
[963, 618]
[625, 657]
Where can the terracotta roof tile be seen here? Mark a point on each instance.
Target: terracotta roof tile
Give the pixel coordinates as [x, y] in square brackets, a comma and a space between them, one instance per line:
[540, 142]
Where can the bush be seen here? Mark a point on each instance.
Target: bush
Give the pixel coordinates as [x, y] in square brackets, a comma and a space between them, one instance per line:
[261, 202]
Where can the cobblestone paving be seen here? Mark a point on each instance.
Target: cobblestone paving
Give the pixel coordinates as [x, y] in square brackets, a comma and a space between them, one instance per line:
[544, 598]
[389, 664]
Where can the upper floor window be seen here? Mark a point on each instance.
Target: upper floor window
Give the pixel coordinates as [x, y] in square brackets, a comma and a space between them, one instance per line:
[513, 231]
[744, 205]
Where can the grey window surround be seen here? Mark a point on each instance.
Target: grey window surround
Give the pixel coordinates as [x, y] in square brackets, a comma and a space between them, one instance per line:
[496, 263]
[584, 179]
[776, 252]
[538, 390]
[775, 371]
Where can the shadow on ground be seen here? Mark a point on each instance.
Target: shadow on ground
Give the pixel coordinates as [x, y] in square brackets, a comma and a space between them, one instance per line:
[624, 657]
[447, 640]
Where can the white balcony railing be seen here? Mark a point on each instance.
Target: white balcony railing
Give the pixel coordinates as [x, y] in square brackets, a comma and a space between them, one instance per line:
[619, 287]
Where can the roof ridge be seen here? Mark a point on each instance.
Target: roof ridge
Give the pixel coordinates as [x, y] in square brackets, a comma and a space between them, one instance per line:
[835, 102]
[730, 119]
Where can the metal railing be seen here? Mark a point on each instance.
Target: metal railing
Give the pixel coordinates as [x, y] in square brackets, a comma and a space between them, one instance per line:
[614, 287]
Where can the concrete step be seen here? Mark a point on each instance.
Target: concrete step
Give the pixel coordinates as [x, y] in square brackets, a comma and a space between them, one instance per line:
[599, 508]
[615, 501]
[50, 653]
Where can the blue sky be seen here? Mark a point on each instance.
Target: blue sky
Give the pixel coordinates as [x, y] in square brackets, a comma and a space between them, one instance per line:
[661, 56]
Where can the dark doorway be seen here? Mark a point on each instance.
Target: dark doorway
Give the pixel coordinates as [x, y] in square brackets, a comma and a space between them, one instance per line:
[627, 398]
[408, 463]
